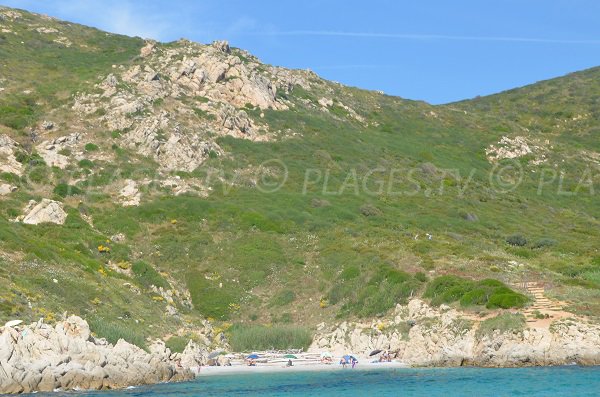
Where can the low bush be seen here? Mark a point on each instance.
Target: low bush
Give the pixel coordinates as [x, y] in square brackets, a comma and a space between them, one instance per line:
[505, 323]
[517, 240]
[246, 338]
[544, 243]
[91, 147]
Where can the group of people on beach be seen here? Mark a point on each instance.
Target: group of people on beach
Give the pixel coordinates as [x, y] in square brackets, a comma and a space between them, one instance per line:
[348, 361]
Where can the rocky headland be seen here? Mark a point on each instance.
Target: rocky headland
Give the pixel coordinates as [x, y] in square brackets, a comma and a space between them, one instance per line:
[40, 357]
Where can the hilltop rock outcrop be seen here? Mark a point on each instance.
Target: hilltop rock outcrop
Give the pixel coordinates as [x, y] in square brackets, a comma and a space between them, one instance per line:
[421, 335]
[40, 357]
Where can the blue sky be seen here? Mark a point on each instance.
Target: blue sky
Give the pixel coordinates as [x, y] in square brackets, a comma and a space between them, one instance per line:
[438, 51]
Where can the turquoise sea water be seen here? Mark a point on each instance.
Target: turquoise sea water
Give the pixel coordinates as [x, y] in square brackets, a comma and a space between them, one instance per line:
[447, 382]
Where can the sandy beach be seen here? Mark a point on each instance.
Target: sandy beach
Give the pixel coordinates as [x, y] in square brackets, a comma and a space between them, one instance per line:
[272, 367]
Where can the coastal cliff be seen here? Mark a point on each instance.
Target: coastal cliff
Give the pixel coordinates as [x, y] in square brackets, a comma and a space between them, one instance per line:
[421, 335]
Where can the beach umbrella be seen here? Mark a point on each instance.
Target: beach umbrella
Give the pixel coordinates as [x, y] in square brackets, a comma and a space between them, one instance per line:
[215, 354]
[375, 352]
[326, 354]
[253, 356]
[347, 357]
[290, 356]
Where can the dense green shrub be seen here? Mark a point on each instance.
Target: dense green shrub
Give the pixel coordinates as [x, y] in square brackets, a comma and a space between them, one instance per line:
[490, 293]
[91, 147]
[506, 300]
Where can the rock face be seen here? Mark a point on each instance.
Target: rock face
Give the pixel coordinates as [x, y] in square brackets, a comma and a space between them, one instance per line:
[39, 357]
[424, 336]
[8, 161]
[47, 211]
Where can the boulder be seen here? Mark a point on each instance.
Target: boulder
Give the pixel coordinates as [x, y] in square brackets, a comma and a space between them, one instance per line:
[47, 211]
[129, 194]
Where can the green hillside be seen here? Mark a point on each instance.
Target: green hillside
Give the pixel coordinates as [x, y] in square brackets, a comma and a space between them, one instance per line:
[329, 211]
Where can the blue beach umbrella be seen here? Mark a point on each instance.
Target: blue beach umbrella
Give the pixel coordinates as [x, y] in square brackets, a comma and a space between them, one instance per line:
[253, 356]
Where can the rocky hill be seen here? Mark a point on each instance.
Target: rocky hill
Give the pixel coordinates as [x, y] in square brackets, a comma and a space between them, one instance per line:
[173, 189]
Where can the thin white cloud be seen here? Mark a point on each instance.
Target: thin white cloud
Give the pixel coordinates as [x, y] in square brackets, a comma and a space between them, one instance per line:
[117, 16]
[405, 36]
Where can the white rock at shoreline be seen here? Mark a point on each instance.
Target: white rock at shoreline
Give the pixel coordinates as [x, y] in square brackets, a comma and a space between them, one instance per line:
[39, 357]
[444, 337]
